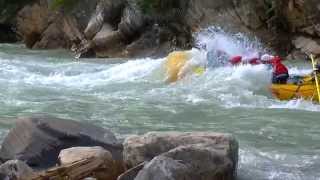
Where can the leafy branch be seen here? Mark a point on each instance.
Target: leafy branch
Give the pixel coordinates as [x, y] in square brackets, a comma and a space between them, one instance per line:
[66, 5]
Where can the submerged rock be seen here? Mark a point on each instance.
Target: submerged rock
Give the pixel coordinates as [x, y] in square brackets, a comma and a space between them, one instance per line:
[176, 155]
[15, 170]
[38, 140]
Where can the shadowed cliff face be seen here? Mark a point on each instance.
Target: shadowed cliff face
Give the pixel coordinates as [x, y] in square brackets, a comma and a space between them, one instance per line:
[8, 11]
[135, 28]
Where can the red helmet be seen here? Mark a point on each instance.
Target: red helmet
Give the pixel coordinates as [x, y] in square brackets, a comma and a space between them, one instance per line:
[236, 60]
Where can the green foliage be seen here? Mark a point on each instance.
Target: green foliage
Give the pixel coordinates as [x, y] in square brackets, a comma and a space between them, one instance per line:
[149, 6]
[67, 5]
[146, 5]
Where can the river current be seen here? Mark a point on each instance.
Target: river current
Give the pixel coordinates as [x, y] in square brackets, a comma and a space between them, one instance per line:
[278, 140]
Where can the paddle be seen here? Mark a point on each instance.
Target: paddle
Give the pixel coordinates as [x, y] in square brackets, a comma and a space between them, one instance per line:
[315, 75]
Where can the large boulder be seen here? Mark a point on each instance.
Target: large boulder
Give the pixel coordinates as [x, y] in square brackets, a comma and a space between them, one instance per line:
[38, 140]
[203, 155]
[138, 149]
[16, 170]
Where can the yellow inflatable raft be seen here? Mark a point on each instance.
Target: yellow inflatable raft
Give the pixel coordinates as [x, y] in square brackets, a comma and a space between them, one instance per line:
[305, 89]
[175, 62]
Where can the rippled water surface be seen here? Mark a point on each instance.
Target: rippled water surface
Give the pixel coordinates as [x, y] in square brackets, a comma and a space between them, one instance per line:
[278, 140]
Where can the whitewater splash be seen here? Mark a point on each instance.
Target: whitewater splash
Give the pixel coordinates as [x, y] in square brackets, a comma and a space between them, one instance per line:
[131, 97]
[238, 86]
[226, 86]
[215, 41]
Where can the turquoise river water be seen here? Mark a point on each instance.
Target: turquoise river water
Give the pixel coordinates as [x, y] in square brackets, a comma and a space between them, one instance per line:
[278, 140]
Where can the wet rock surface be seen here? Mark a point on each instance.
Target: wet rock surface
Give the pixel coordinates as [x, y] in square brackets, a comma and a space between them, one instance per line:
[101, 164]
[183, 155]
[16, 170]
[38, 140]
[43, 147]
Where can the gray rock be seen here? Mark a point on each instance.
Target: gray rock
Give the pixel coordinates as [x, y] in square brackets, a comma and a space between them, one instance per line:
[15, 170]
[132, 21]
[131, 173]
[190, 162]
[175, 155]
[38, 140]
[143, 148]
[107, 11]
[164, 168]
[94, 26]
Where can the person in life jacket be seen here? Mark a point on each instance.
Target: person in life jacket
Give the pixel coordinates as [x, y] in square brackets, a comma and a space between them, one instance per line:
[280, 73]
[235, 60]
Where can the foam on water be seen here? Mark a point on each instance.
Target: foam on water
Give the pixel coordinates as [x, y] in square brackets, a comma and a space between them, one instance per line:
[76, 74]
[132, 97]
[227, 86]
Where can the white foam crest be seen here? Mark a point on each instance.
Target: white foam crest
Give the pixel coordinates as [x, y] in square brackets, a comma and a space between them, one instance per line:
[76, 74]
[275, 165]
[117, 73]
[232, 86]
[299, 70]
[296, 104]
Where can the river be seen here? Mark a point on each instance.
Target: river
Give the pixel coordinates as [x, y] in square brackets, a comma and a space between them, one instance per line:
[278, 140]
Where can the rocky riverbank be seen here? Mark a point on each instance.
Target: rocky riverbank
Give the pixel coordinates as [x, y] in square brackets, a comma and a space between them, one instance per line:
[51, 148]
[135, 28]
